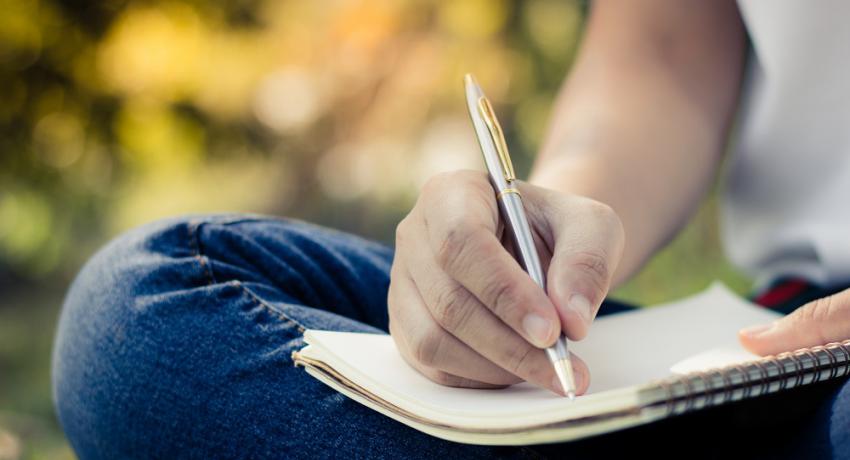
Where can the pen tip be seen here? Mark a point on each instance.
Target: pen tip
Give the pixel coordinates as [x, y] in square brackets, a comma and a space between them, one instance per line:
[564, 372]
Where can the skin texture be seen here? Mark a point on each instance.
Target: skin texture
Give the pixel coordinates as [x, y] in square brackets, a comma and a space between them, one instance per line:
[819, 322]
[459, 301]
[636, 136]
[641, 123]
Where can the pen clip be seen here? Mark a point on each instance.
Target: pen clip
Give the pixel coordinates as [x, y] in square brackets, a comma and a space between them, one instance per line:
[486, 111]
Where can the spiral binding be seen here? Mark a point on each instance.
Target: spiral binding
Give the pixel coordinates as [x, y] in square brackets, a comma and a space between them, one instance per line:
[767, 375]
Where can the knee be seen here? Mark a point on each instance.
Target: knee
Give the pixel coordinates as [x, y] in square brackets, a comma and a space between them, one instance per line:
[99, 329]
[141, 264]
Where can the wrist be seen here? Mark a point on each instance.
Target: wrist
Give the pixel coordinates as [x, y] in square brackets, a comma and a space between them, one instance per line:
[588, 175]
[573, 174]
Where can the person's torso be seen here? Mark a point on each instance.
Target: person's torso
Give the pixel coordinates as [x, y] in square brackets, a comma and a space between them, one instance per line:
[786, 205]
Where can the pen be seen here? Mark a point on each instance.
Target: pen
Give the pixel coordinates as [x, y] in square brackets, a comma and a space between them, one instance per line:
[502, 177]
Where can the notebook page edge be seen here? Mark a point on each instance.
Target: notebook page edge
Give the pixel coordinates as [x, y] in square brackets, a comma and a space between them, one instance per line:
[599, 403]
[627, 394]
[557, 432]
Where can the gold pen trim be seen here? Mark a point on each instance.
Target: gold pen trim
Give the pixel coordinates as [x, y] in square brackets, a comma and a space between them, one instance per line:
[486, 111]
[507, 191]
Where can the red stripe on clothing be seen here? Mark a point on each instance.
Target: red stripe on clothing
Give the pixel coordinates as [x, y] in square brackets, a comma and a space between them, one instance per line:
[782, 293]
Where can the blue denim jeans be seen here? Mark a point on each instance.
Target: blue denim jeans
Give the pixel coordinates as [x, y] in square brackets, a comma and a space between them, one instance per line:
[175, 342]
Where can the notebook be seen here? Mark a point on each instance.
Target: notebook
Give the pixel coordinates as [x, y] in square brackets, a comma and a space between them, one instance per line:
[646, 365]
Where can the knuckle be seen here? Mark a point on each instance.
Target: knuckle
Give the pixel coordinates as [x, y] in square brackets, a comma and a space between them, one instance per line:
[397, 334]
[478, 181]
[607, 218]
[401, 231]
[455, 244]
[451, 307]
[600, 211]
[397, 320]
[594, 264]
[518, 359]
[393, 304]
[503, 296]
[427, 347]
[433, 190]
[436, 182]
[398, 272]
[392, 326]
[813, 312]
[459, 177]
[824, 309]
[817, 315]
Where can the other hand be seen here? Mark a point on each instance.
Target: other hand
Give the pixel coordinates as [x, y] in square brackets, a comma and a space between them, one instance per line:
[817, 323]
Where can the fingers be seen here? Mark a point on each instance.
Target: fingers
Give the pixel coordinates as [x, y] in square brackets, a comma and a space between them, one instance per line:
[817, 323]
[461, 218]
[588, 244]
[430, 349]
[460, 313]
[462, 310]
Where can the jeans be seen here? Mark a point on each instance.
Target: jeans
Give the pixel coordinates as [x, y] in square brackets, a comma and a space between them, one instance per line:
[175, 340]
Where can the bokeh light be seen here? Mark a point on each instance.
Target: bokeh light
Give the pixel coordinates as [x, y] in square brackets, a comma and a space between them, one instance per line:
[119, 113]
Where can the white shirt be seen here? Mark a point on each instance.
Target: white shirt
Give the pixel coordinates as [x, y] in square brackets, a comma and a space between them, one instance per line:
[786, 208]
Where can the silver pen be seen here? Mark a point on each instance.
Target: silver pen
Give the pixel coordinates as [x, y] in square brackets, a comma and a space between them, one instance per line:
[502, 177]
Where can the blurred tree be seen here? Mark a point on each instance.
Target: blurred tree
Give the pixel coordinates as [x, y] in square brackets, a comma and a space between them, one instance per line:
[119, 112]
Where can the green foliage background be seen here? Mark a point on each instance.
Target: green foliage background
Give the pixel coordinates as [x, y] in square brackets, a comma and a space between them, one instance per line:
[118, 112]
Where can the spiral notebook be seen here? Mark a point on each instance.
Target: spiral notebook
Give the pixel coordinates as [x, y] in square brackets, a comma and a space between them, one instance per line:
[646, 365]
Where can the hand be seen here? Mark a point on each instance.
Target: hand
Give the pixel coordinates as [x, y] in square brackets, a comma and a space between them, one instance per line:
[462, 310]
[817, 323]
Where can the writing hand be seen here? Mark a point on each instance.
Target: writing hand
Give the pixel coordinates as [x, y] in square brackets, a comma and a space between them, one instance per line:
[462, 310]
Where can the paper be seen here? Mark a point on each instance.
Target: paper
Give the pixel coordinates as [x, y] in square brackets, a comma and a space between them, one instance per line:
[622, 351]
[713, 359]
[636, 347]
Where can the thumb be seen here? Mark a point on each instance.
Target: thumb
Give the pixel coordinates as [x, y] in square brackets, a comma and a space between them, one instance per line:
[817, 323]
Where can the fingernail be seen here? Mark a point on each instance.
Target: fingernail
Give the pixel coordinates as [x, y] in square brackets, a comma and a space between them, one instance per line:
[538, 328]
[581, 306]
[756, 331]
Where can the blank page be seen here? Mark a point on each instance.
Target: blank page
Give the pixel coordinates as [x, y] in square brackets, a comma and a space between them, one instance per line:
[640, 346]
[622, 351]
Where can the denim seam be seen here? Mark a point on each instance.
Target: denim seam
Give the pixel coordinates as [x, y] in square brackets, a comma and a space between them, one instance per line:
[268, 307]
[194, 241]
[234, 219]
[203, 260]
